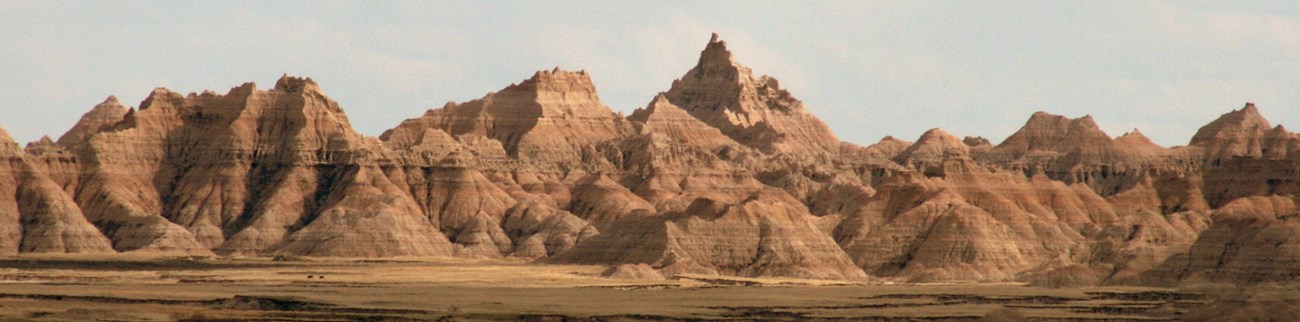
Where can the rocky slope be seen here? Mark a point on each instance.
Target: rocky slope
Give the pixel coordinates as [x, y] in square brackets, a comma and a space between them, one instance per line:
[723, 173]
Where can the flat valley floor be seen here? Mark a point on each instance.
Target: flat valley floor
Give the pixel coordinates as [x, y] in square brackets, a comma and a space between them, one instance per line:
[130, 287]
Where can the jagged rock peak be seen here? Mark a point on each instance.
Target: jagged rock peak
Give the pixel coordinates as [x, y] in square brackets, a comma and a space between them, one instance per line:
[754, 111]
[295, 84]
[103, 114]
[1050, 132]
[715, 54]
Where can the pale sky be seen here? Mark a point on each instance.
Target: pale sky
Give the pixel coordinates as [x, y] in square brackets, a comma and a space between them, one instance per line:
[867, 68]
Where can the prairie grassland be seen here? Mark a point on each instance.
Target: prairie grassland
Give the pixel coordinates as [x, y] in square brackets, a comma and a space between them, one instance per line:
[155, 287]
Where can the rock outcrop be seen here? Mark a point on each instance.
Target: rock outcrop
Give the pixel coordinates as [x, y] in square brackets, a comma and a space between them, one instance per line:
[754, 111]
[36, 215]
[768, 234]
[934, 146]
[723, 173]
[1251, 241]
[1046, 132]
[555, 117]
[105, 114]
[1239, 133]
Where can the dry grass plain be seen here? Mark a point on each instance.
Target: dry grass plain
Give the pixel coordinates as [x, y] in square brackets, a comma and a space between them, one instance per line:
[131, 287]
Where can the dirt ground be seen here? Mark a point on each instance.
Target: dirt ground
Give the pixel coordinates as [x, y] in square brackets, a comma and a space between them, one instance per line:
[128, 287]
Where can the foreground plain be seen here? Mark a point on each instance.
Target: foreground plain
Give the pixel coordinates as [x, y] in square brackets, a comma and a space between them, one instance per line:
[136, 287]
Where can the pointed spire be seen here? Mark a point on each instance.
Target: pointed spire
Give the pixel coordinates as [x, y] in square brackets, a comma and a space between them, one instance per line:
[715, 54]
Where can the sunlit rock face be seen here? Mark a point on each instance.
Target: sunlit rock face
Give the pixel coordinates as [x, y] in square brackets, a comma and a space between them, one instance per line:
[722, 173]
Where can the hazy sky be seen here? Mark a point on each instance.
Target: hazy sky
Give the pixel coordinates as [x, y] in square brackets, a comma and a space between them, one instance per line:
[869, 69]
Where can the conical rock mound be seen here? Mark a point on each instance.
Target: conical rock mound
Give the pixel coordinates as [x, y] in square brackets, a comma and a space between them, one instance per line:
[1236, 133]
[934, 145]
[104, 114]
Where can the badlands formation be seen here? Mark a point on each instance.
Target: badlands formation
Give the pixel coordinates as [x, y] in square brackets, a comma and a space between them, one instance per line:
[724, 173]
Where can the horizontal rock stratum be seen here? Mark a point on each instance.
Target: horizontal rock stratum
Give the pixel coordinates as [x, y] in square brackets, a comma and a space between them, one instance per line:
[722, 173]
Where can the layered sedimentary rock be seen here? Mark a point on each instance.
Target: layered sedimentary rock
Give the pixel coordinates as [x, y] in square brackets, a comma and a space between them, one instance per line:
[36, 215]
[1239, 133]
[555, 117]
[663, 118]
[1246, 157]
[104, 114]
[888, 148]
[723, 173]
[767, 234]
[1251, 241]
[963, 222]
[934, 146]
[1046, 132]
[754, 111]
